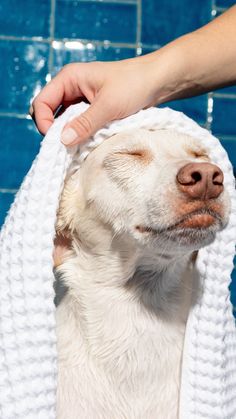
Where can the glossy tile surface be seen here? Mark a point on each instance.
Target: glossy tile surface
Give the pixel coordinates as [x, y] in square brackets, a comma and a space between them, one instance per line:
[6, 200]
[22, 73]
[225, 3]
[230, 147]
[163, 20]
[96, 21]
[224, 116]
[19, 146]
[195, 108]
[75, 51]
[227, 90]
[25, 18]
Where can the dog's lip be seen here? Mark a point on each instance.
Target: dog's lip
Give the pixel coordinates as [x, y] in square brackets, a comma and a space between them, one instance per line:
[199, 219]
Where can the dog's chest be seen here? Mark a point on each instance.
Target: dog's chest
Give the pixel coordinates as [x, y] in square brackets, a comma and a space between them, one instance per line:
[128, 359]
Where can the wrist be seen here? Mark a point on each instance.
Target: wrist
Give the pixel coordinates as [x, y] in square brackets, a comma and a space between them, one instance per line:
[169, 69]
[173, 70]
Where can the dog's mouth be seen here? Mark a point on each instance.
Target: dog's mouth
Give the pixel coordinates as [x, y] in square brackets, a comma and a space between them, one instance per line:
[201, 219]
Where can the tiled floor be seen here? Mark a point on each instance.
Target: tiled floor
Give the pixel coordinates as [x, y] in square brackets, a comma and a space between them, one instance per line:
[38, 39]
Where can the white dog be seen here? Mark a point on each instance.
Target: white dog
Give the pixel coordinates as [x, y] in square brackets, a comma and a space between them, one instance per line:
[134, 214]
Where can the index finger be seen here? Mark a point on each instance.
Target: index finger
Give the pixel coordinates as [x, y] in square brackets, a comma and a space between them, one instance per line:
[46, 103]
[50, 98]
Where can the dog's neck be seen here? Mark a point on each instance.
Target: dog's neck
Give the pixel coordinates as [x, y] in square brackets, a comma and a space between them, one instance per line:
[116, 268]
[117, 293]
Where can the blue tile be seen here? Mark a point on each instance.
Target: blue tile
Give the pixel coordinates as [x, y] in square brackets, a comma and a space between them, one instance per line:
[224, 116]
[22, 73]
[82, 52]
[96, 21]
[164, 20]
[146, 50]
[195, 108]
[230, 147]
[225, 3]
[19, 145]
[228, 90]
[24, 18]
[6, 200]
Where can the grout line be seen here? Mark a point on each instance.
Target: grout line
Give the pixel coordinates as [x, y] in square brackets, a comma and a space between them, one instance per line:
[52, 35]
[5, 190]
[105, 43]
[221, 9]
[110, 1]
[213, 9]
[209, 116]
[25, 38]
[139, 28]
[226, 137]
[225, 95]
[15, 115]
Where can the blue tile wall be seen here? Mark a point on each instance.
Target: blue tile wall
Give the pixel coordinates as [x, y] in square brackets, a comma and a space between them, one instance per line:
[195, 107]
[96, 20]
[6, 200]
[25, 18]
[19, 145]
[229, 145]
[75, 51]
[23, 70]
[38, 37]
[225, 3]
[165, 20]
[224, 116]
[228, 90]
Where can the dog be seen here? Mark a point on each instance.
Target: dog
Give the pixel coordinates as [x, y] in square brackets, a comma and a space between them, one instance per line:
[131, 221]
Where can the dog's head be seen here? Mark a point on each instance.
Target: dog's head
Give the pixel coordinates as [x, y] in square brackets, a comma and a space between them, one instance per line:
[157, 188]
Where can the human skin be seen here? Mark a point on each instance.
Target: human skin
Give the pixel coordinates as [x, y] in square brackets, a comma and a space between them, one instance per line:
[195, 63]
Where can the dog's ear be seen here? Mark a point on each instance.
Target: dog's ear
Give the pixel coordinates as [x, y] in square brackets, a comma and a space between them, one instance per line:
[68, 207]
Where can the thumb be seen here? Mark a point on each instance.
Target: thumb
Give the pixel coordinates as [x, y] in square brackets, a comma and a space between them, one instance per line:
[85, 125]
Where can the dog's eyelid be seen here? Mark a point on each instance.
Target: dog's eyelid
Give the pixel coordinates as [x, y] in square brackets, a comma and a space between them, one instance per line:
[135, 153]
[199, 154]
[202, 156]
[143, 155]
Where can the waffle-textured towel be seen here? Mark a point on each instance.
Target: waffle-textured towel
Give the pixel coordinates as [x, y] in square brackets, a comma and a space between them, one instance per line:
[27, 321]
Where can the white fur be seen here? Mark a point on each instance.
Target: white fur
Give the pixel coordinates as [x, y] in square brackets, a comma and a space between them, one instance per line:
[121, 325]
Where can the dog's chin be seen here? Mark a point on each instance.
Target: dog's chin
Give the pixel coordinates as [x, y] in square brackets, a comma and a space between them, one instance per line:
[196, 230]
[192, 238]
[193, 231]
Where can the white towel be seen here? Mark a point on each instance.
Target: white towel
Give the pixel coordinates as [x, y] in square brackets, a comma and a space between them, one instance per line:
[28, 358]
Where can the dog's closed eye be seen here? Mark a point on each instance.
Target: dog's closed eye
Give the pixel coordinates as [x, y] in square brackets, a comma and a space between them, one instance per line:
[120, 163]
[199, 153]
[141, 155]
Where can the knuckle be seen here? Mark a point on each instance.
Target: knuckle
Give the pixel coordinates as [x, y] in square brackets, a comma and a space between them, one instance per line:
[82, 125]
[67, 68]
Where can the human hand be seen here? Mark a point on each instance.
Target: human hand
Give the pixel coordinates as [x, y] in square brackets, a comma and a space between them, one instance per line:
[114, 89]
[183, 68]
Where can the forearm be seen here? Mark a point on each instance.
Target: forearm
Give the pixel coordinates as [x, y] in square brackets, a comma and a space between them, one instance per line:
[198, 62]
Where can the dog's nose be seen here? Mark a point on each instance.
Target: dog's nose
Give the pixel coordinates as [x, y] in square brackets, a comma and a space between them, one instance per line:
[200, 180]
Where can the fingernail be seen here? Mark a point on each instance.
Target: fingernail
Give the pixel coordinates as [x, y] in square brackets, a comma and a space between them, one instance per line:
[68, 136]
